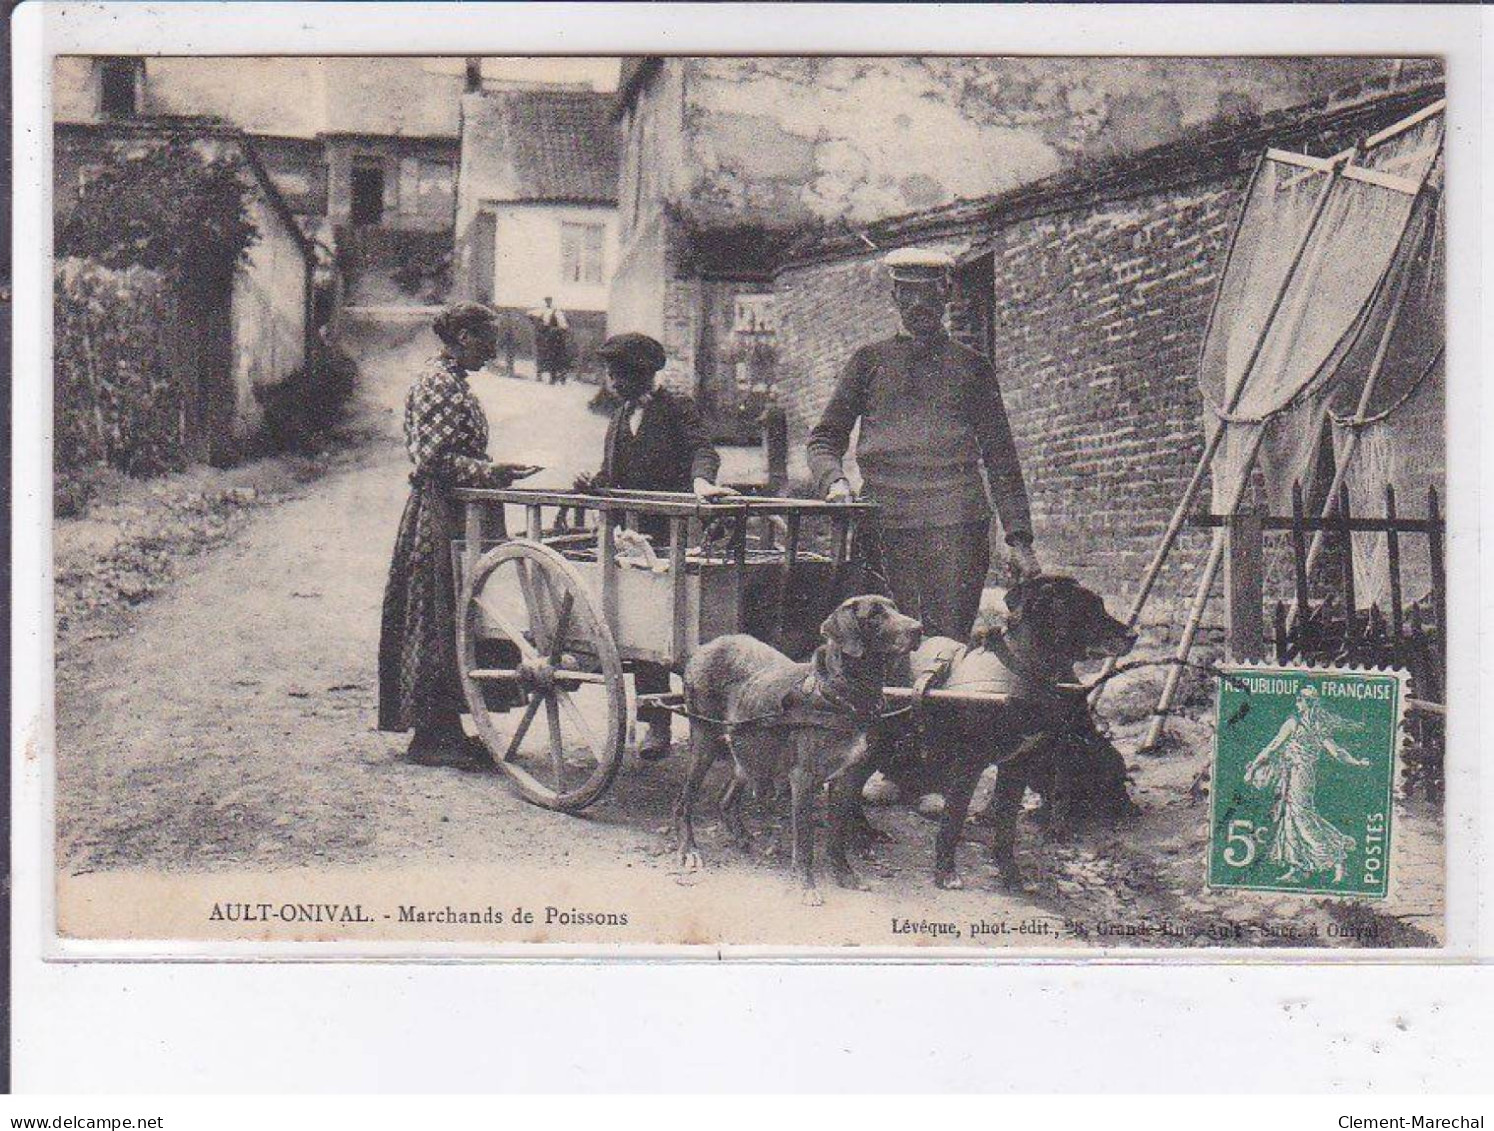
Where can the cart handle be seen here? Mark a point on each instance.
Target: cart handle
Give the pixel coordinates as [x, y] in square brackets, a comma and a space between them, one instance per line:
[667, 503]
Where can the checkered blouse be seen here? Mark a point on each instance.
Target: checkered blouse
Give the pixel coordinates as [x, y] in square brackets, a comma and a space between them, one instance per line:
[446, 431]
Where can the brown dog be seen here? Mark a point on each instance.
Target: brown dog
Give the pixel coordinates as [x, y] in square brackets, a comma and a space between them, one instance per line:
[1042, 735]
[806, 723]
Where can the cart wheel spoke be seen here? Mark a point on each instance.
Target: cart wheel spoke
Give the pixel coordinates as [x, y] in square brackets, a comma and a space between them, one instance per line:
[557, 742]
[563, 603]
[562, 626]
[532, 606]
[523, 728]
[554, 597]
[578, 720]
[495, 675]
[509, 630]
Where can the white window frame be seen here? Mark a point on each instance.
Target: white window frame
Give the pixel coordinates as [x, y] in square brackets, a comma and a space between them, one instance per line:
[583, 252]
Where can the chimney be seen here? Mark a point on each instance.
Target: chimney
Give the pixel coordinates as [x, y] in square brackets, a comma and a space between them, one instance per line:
[474, 74]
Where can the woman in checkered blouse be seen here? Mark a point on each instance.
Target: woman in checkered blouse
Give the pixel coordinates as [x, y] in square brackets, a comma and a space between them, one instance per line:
[446, 434]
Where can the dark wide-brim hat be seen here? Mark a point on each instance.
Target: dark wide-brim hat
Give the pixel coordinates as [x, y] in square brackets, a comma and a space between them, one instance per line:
[637, 351]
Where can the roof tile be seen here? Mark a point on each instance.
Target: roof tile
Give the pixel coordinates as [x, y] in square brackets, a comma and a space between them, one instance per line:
[554, 145]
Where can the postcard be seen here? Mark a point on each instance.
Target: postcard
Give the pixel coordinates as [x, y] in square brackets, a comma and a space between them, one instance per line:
[811, 503]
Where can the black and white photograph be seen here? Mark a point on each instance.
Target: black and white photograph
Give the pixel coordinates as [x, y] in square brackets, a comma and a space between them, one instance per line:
[747, 501]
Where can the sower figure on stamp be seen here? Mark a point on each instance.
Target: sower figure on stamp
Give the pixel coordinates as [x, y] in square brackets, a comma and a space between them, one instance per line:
[656, 441]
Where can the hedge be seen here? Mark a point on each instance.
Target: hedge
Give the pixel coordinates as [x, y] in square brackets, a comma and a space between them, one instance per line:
[170, 207]
[117, 397]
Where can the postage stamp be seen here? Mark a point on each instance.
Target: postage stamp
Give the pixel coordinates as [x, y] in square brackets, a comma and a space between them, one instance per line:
[1304, 779]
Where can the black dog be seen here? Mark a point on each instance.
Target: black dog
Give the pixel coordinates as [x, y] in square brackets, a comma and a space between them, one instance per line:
[1042, 736]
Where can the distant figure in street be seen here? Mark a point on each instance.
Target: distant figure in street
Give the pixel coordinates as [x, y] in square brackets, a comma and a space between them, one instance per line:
[510, 347]
[446, 434]
[655, 442]
[551, 342]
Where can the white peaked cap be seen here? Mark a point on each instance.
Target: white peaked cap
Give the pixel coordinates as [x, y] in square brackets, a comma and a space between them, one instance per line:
[918, 265]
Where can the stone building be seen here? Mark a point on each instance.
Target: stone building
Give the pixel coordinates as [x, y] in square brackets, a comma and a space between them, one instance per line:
[537, 208]
[1089, 291]
[727, 161]
[350, 141]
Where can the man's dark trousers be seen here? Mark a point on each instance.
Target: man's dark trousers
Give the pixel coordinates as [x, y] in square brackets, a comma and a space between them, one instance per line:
[936, 573]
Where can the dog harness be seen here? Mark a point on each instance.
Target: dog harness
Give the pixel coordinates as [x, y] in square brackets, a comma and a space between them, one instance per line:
[798, 703]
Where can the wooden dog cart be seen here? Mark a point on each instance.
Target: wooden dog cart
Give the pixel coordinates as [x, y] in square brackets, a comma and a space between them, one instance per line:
[549, 621]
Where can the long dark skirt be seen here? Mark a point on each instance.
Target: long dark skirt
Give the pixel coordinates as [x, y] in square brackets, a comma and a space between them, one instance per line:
[419, 687]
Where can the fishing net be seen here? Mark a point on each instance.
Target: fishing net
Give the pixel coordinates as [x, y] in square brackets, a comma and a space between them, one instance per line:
[1308, 267]
[1387, 406]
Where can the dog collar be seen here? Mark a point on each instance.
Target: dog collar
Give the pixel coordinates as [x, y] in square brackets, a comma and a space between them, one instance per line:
[814, 693]
[1043, 686]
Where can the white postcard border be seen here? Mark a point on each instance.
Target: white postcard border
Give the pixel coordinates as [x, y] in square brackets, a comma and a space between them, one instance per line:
[74, 1004]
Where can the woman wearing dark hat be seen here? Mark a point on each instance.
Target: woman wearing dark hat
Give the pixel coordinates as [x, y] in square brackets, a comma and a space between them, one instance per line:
[446, 434]
[655, 442]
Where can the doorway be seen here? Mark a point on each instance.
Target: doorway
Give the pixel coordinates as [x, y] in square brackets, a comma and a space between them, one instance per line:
[368, 191]
[484, 256]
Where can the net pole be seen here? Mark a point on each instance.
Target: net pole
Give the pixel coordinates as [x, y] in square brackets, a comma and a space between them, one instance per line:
[1211, 448]
[1200, 600]
[1158, 723]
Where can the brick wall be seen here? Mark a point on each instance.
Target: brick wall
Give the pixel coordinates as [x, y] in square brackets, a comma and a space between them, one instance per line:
[824, 312]
[1097, 324]
[1097, 316]
[1093, 298]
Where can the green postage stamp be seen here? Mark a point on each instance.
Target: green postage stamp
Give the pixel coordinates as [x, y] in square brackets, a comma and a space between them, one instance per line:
[1304, 775]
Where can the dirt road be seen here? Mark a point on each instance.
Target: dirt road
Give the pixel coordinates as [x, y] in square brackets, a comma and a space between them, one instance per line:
[231, 727]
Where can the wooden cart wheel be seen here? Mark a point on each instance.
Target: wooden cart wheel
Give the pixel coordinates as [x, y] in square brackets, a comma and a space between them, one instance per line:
[547, 653]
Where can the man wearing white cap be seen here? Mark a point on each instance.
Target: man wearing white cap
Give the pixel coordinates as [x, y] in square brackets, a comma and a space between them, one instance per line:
[931, 415]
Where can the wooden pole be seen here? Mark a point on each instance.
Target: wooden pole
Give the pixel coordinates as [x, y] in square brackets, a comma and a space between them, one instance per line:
[1200, 600]
[680, 590]
[1439, 567]
[1351, 601]
[1299, 553]
[1243, 589]
[609, 570]
[1393, 566]
[739, 556]
[840, 547]
[785, 577]
[476, 529]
